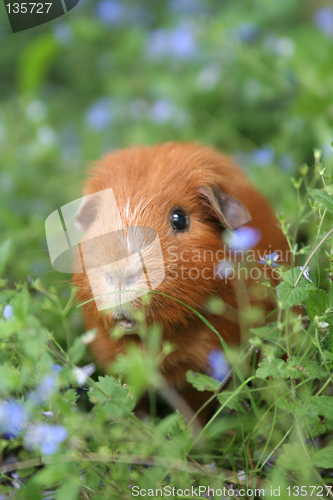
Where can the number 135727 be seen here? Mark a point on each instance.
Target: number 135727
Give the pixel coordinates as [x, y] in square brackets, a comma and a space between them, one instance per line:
[23, 8]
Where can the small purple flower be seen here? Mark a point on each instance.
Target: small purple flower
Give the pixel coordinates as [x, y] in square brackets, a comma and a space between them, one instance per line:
[100, 114]
[63, 33]
[162, 111]
[48, 414]
[246, 32]
[187, 6]
[270, 259]
[16, 483]
[264, 156]
[157, 44]
[178, 43]
[47, 437]
[13, 417]
[56, 368]
[286, 162]
[268, 462]
[243, 238]
[314, 445]
[182, 43]
[45, 389]
[110, 12]
[306, 273]
[8, 311]
[218, 363]
[324, 20]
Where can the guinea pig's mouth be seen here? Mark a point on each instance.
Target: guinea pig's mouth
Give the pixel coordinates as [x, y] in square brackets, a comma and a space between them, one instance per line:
[126, 324]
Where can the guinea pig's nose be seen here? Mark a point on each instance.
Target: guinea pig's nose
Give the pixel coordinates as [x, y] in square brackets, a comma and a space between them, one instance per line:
[133, 278]
[123, 280]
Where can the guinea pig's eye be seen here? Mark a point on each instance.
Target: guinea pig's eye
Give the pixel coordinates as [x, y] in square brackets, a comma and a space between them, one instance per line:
[179, 219]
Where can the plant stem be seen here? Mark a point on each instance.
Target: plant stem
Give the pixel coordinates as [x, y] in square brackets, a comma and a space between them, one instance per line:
[314, 251]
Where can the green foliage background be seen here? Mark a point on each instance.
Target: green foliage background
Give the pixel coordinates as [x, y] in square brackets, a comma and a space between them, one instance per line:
[252, 77]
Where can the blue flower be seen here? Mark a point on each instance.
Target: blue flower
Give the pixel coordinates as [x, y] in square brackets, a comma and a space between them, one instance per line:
[243, 238]
[286, 162]
[324, 20]
[218, 364]
[264, 156]
[100, 114]
[110, 12]
[157, 44]
[306, 273]
[182, 44]
[13, 417]
[56, 368]
[268, 462]
[63, 33]
[178, 43]
[270, 259]
[8, 311]
[47, 387]
[246, 32]
[314, 445]
[47, 437]
[44, 391]
[162, 111]
[187, 6]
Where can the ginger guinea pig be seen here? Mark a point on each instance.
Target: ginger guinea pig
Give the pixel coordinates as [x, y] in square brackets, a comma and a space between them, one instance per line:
[172, 200]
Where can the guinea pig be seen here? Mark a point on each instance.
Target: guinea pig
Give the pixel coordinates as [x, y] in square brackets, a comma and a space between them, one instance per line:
[172, 202]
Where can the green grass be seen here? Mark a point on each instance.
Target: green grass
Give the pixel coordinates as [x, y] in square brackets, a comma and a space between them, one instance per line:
[257, 83]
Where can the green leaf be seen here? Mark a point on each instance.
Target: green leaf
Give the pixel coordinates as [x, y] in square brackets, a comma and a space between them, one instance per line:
[270, 332]
[276, 368]
[291, 296]
[234, 403]
[202, 382]
[289, 404]
[323, 458]
[318, 427]
[21, 303]
[323, 198]
[114, 398]
[69, 490]
[316, 303]
[4, 254]
[309, 368]
[292, 275]
[141, 369]
[35, 60]
[77, 350]
[320, 405]
[10, 378]
[292, 457]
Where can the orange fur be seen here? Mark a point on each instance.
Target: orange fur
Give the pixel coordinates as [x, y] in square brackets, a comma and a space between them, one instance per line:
[157, 179]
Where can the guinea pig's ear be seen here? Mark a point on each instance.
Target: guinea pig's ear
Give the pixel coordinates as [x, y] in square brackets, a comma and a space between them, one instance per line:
[228, 210]
[86, 213]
